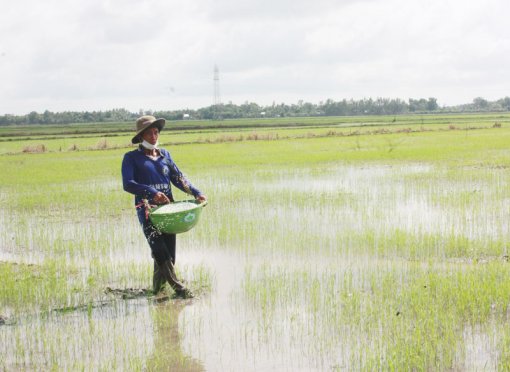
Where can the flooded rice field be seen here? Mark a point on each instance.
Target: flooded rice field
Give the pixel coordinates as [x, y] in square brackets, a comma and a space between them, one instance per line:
[328, 269]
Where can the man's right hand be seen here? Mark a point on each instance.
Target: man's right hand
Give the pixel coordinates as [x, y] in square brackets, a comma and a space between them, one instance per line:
[161, 198]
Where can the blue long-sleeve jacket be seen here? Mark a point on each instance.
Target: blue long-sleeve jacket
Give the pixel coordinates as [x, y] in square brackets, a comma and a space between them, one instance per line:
[144, 177]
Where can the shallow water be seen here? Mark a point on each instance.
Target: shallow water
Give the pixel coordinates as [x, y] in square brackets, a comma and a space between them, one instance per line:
[121, 335]
[336, 228]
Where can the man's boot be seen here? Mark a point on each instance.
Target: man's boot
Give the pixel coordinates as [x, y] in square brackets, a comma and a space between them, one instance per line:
[158, 281]
[167, 271]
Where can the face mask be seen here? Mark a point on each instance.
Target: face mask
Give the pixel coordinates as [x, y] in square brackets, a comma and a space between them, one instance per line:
[149, 146]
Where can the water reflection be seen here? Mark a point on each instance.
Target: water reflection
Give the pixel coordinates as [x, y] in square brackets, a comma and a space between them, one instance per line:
[124, 335]
[168, 354]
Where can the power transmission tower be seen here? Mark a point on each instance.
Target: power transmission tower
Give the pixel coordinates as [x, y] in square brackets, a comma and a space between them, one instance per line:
[217, 99]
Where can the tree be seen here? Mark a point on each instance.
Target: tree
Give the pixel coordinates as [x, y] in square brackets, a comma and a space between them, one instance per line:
[505, 103]
[33, 118]
[432, 104]
[480, 103]
[418, 105]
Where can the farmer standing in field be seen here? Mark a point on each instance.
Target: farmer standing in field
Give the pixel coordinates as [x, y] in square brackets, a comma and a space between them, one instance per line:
[147, 173]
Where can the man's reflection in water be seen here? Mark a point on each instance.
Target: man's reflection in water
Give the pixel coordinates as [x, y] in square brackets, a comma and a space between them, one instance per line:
[168, 355]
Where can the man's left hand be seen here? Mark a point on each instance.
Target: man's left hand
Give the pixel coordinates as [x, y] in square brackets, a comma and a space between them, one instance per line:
[201, 198]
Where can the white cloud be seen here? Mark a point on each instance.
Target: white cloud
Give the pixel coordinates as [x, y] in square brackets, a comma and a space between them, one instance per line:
[93, 54]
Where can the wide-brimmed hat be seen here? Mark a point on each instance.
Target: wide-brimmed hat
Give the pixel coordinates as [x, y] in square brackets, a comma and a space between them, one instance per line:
[145, 122]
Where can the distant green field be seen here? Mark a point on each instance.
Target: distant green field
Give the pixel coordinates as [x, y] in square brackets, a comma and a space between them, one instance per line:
[98, 136]
[121, 127]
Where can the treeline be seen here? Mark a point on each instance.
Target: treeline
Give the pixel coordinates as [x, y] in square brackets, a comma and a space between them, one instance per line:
[67, 117]
[379, 106]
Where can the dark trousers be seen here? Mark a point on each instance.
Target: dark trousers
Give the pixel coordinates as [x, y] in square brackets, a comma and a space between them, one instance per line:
[163, 249]
[162, 245]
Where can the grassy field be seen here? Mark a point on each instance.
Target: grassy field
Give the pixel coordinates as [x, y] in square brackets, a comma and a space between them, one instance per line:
[374, 243]
[100, 136]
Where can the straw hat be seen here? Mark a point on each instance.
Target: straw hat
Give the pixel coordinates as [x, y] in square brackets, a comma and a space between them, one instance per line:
[145, 122]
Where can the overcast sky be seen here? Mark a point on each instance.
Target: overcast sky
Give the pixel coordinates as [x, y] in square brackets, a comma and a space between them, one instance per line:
[79, 55]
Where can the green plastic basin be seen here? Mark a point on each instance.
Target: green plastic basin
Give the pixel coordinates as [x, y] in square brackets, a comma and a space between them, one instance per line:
[177, 217]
